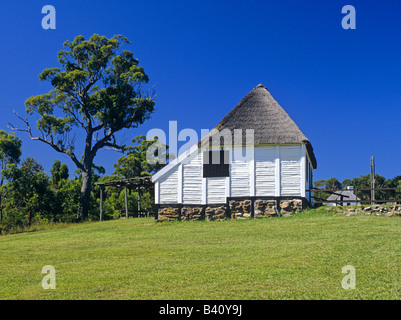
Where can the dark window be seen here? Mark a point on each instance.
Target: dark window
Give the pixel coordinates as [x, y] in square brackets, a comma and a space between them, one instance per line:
[216, 164]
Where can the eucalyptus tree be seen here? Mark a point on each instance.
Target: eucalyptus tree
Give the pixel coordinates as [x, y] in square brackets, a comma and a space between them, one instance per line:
[10, 150]
[98, 89]
[10, 153]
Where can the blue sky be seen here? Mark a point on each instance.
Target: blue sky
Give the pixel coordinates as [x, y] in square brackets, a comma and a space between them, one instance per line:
[342, 87]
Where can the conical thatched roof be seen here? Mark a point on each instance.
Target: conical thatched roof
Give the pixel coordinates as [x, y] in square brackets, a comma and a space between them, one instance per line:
[259, 111]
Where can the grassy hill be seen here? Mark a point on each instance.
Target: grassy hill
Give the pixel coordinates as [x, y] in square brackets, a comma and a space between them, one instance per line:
[299, 257]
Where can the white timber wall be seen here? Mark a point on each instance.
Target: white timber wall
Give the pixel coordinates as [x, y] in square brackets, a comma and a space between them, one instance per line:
[216, 190]
[272, 170]
[265, 171]
[240, 175]
[192, 180]
[290, 169]
[168, 188]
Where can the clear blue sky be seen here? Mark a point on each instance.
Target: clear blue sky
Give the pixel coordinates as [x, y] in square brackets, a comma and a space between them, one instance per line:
[342, 87]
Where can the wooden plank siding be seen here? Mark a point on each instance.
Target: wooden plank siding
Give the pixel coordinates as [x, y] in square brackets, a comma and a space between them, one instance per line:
[265, 171]
[168, 187]
[272, 171]
[192, 180]
[240, 178]
[216, 190]
[290, 167]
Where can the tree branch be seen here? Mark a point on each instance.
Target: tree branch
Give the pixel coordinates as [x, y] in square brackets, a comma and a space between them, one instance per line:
[114, 146]
[43, 139]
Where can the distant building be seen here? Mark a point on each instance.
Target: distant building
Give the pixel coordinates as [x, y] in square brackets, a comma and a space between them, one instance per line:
[347, 196]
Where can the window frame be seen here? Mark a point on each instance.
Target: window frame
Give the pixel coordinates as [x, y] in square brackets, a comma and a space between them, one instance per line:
[216, 170]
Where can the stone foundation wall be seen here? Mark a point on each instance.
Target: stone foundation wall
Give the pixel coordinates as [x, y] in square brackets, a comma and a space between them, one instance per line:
[265, 208]
[192, 213]
[238, 209]
[216, 213]
[168, 213]
[290, 206]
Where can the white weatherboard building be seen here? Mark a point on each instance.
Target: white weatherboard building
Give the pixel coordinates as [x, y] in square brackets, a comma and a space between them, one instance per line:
[273, 173]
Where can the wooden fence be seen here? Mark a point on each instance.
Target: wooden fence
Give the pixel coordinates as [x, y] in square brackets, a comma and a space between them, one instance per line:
[347, 199]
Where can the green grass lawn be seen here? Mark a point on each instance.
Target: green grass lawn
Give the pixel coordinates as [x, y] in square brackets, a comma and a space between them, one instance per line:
[281, 258]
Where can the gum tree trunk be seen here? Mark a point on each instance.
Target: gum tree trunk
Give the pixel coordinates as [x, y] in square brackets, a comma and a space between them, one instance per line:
[84, 200]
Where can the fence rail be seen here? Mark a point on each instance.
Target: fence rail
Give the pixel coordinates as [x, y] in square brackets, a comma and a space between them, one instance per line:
[347, 199]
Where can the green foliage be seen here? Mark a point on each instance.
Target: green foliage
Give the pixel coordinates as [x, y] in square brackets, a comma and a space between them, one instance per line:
[65, 200]
[95, 84]
[10, 153]
[58, 172]
[10, 148]
[28, 196]
[32, 199]
[98, 89]
[135, 164]
[394, 183]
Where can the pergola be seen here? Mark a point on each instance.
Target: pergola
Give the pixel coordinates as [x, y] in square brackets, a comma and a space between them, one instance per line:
[139, 184]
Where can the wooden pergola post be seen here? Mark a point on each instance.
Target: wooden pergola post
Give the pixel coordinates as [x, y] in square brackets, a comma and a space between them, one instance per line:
[126, 201]
[139, 201]
[101, 204]
[372, 179]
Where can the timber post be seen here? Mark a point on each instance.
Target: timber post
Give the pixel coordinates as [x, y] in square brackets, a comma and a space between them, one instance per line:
[126, 201]
[101, 204]
[139, 201]
[372, 179]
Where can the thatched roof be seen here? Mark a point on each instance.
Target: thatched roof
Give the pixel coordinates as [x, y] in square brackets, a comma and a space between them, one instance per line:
[259, 111]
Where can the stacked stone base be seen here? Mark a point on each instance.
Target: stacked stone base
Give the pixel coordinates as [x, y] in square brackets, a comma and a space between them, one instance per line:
[240, 209]
[235, 209]
[167, 214]
[368, 210]
[265, 208]
[216, 213]
[290, 206]
[192, 213]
